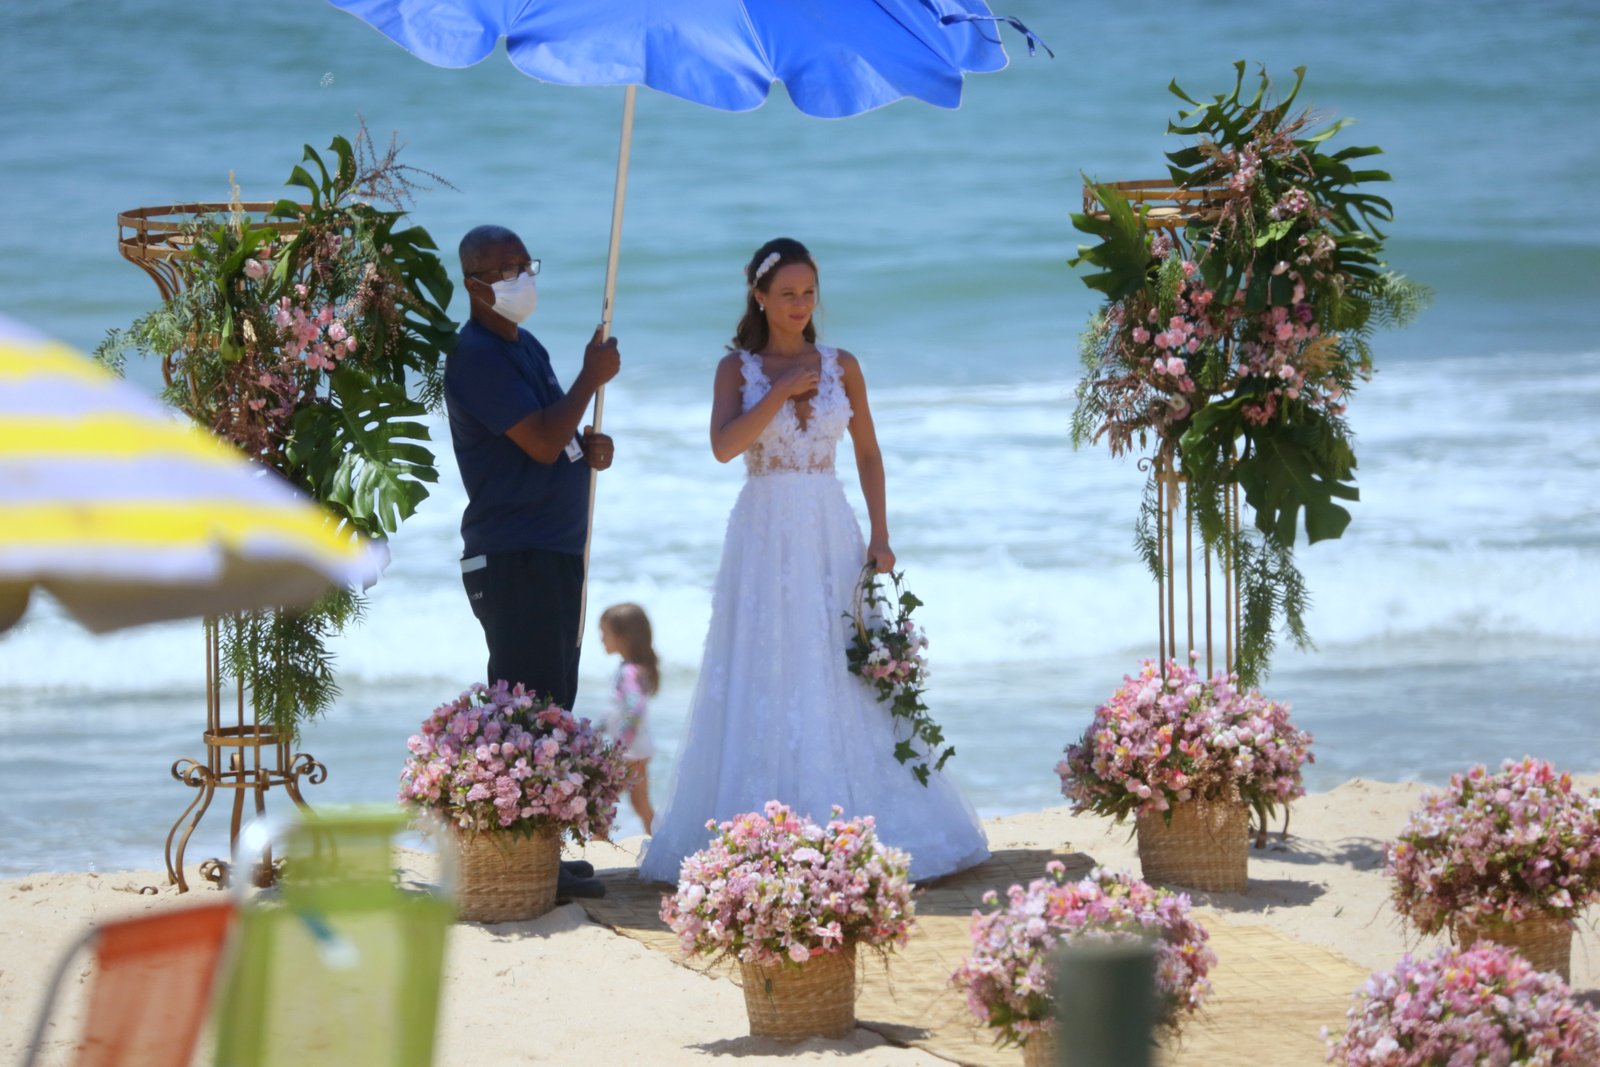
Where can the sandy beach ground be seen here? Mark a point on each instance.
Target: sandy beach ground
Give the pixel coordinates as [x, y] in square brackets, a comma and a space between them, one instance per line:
[575, 992]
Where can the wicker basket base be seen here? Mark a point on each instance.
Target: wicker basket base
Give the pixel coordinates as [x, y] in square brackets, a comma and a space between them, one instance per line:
[1206, 846]
[791, 1003]
[1040, 1051]
[505, 877]
[1543, 941]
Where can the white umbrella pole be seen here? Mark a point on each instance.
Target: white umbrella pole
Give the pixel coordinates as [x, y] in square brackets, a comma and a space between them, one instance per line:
[617, 200]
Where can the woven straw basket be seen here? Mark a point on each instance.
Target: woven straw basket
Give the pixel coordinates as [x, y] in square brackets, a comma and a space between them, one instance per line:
[1040, 1051]
[507, 877]
[860, 611]
[814, 999]
[1543, 940]
[1206, 846]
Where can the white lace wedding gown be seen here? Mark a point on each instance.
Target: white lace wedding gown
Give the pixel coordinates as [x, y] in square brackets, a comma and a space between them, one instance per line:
[776, 714]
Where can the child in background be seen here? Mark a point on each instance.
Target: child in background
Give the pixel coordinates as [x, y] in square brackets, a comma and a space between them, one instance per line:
[625, 630]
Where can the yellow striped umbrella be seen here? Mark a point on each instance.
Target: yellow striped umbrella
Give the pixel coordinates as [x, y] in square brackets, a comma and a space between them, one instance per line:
[127, 514]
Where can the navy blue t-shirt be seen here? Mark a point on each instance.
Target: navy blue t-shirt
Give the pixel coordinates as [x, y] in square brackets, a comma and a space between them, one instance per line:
[514, 502]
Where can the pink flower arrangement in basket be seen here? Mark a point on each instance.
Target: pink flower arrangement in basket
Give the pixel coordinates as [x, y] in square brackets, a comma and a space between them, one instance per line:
[778, 887]
[1495, 849]
[1162, 740]
[1483, 1005]
[500, 759]
[1007, 980]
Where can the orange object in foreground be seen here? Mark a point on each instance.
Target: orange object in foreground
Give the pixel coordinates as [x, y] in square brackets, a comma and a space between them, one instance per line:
[150, 989]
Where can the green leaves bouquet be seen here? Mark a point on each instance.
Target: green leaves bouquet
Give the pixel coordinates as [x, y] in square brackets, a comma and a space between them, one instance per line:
[295, 337]
[1235, 330]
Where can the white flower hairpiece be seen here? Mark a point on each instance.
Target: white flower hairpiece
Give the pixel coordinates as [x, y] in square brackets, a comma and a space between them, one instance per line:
[766, 265]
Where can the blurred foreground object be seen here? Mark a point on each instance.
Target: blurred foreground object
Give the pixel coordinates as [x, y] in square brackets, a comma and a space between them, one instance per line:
[340, 965]
[150, 987]
[1105, 1004]
[126, 516]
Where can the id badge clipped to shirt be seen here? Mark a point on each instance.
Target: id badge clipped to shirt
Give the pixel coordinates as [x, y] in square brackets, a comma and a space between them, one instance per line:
[574, 450]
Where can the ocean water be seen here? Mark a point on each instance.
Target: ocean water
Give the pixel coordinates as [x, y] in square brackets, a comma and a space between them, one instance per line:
[1456, 621]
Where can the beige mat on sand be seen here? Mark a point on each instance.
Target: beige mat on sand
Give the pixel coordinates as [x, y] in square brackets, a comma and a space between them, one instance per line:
[1270, 1000]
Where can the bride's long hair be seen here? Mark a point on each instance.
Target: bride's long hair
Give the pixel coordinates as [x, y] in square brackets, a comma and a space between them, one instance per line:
[751, 334]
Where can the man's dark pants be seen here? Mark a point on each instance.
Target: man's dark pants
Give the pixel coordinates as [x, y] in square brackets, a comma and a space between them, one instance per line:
[528, 604]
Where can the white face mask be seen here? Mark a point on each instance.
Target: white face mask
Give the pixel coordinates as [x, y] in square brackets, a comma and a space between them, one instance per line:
[515, 299]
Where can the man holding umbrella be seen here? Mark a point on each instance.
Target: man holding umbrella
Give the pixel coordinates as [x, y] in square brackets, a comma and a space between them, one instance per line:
[526, 470]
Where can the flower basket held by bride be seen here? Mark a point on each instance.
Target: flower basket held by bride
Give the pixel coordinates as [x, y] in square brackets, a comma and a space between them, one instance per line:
[886, 652]
[510, 775]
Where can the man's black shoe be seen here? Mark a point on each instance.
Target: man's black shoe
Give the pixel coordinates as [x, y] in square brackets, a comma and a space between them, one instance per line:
[569, 887]
[578, 868]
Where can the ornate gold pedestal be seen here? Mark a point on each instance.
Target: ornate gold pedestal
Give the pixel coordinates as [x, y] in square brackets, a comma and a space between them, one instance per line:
[244, 756]
[154, 239]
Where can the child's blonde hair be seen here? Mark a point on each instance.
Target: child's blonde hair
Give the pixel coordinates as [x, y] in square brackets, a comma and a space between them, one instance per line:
[629, 626]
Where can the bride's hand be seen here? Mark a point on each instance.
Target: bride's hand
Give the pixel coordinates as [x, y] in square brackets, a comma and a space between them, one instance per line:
[881, 556]
[797, 383]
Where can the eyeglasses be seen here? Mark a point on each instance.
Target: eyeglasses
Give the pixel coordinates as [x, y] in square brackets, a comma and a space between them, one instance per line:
[529, 267]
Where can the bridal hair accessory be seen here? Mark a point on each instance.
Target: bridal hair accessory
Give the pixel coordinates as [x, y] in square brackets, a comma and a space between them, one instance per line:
[766, 265]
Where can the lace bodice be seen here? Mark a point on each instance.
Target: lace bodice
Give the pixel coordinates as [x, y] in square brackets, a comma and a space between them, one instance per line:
[786, 445]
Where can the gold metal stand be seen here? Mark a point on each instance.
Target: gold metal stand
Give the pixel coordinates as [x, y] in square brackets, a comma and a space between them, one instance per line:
[1162, 204]
[245, 756]
[1217, 577]
[154, 239]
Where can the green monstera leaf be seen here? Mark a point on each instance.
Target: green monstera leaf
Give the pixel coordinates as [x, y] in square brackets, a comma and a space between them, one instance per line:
[1288, 469]
[1123, 254]
[359, 454]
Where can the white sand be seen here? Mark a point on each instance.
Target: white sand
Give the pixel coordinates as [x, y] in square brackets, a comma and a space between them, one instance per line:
[564, 990]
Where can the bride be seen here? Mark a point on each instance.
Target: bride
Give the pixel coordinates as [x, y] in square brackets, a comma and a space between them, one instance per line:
[776, 714]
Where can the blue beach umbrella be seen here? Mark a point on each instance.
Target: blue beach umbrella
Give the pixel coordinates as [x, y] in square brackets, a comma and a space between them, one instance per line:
[836, 58]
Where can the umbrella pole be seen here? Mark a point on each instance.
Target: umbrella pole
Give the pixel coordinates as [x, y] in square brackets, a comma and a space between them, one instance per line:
[624, 147]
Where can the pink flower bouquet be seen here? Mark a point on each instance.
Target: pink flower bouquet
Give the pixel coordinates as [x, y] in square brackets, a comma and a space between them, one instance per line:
[886, 652]
[499, 758]
[1159, 741]
[1006, 978]
[778, 887]
[1483, 1005]
[1495, 849]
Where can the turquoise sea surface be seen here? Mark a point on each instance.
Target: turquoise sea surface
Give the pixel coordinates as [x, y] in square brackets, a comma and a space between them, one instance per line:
[1458, 620]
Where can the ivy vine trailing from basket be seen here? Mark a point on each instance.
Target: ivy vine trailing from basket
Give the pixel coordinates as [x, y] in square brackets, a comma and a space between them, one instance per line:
[886, 653]
[1237, 340]
[298, 338]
